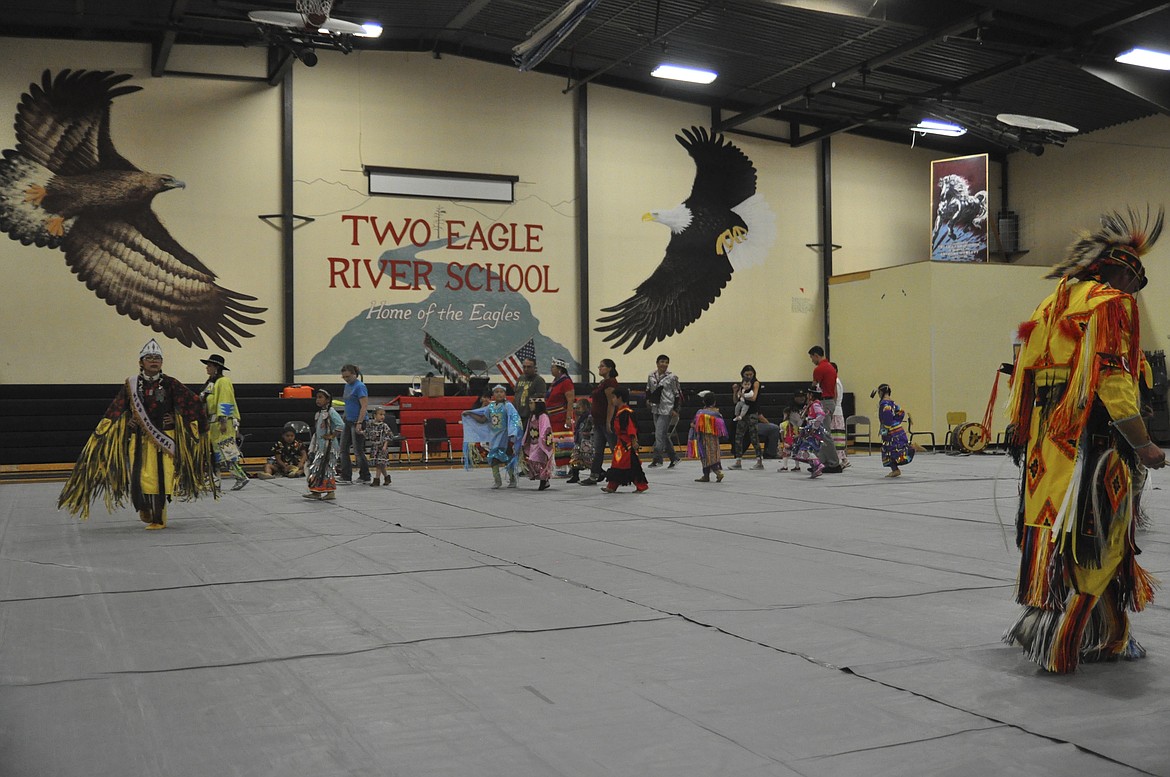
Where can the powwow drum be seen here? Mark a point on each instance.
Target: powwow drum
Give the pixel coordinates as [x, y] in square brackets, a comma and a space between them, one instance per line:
[972, 437]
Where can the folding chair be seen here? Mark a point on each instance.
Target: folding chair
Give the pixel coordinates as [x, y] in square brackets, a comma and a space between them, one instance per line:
[955, 419]
[856, 421]
[435, 431]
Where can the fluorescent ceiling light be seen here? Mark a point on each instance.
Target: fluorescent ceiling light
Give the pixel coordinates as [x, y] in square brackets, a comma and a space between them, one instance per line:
[936, 127]
[372, 30]
[680, 73]
[1159, 60]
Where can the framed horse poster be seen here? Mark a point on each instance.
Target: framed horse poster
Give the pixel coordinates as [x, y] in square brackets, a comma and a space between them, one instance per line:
[958, 209]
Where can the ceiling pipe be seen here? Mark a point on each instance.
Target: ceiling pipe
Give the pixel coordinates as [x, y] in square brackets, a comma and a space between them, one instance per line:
[625, 58]
[894, 54]
[1091, 29]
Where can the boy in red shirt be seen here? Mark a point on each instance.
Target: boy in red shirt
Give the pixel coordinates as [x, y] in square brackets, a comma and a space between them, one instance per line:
[825, 376]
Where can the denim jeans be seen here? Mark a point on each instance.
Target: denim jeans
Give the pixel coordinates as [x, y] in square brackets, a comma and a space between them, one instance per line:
[601, 438]
[662, 445]
[351, 435]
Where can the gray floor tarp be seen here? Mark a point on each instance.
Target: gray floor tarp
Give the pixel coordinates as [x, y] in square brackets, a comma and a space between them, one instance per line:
[768, 625]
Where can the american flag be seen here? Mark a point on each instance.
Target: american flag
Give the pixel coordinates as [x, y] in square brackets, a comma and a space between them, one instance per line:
[512, 365]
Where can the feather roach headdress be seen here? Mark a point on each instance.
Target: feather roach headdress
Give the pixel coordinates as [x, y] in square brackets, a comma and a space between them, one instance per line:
[1122, 240]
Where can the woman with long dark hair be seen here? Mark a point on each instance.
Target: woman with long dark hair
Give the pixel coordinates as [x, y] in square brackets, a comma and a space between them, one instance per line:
[747, 423]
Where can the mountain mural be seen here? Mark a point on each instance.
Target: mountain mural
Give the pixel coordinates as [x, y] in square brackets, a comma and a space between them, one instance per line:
[387, 339]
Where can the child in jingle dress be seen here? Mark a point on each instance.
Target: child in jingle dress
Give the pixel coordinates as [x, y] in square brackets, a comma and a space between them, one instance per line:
[707, 429]
[582, 456]
[538, 452]
[324, 449]
[378, 441]
[626, 468]
[812, 433]
[789, 430]
[497, 426]
[896, 448]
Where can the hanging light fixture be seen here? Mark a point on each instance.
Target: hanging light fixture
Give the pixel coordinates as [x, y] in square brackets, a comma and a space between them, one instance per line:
[680, 73]
[1158, 60]
[937, 127]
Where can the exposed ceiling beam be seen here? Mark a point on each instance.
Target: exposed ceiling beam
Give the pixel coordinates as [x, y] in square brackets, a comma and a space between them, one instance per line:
[460, 21]
[643, 47]
[894, 54]
[160, 47]
[1090, 30]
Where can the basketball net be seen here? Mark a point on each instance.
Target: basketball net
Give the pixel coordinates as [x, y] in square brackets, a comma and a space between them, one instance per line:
[314, 12]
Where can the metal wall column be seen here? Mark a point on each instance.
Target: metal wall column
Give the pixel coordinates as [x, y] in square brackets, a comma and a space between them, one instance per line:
[286, 218]
[825, 161]
[581, 188]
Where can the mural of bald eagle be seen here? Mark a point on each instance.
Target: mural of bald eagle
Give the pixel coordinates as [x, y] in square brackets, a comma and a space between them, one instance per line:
[722, 226]
[65, 186]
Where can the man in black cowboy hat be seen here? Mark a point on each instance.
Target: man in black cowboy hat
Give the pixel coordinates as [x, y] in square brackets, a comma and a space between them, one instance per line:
[219, 397]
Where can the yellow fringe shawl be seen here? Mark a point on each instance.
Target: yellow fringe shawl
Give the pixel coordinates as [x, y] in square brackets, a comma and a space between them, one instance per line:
[1111, 319]
[104, 470]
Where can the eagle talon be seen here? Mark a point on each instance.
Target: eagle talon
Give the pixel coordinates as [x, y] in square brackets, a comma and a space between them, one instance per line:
[35, 194]
[55, 226]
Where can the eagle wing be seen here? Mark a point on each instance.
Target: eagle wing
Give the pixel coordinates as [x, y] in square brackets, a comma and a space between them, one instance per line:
[724, 176]
[63, 123]
[134, 264]
[673, 297]
[694, 272]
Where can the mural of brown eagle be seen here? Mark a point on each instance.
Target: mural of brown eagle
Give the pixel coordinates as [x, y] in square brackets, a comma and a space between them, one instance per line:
[724, 225]
[65, 186]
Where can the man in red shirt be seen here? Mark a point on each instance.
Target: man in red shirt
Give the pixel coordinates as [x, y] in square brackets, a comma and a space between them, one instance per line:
[825, 376]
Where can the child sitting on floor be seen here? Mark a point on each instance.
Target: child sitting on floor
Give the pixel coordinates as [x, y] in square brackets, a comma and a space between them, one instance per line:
[287, 458]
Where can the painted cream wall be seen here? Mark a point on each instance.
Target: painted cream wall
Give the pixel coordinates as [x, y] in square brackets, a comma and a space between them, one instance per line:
[768, 315]
[416, 111]
[1067, 189]
[936, 332]
[412, 110]
[220, 138]
[881, 202]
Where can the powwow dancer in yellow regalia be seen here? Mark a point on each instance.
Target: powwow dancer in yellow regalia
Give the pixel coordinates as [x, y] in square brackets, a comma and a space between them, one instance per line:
[151, 445]
[1077, 431]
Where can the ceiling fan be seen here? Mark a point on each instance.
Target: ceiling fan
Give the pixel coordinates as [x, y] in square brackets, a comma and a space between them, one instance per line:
[1013, 130]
